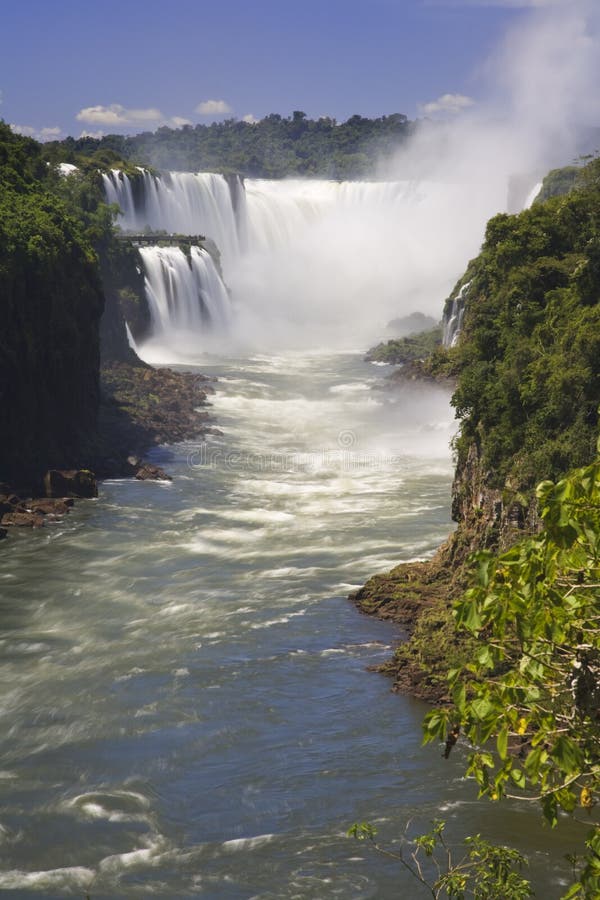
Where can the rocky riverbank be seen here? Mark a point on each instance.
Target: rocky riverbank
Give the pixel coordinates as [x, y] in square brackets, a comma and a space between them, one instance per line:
[417, 596]
[140, 407]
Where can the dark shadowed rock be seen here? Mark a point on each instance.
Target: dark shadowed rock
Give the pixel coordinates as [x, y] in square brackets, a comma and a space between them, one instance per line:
[22, 518]
[3, 533]
[5, 506]
[148, 472]
[70, 483]
[51, 506]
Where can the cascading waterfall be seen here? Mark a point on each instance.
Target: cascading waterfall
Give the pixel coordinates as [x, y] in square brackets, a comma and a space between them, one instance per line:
[533, 194]
[185, 296]
[277, 211]
[312, 262]
[453, 317]
[180, 203]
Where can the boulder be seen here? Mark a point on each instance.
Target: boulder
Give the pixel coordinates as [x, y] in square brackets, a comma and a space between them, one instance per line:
[10, 503]
[5, 506]
[148, 472]
[22, 519]
[70, 483]
[54, 506]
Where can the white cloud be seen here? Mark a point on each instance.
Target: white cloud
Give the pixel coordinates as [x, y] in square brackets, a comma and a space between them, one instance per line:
[178, 121]
[213, 108]
[40, 134]
[25, 130]
[447, 103]
[250, 119]
[92, 134]
[116, 114]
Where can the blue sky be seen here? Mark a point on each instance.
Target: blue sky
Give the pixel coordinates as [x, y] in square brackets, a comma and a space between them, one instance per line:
[71, 67]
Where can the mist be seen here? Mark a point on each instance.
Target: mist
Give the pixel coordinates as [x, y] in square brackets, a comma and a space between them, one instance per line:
[350, 266]
[324, 265]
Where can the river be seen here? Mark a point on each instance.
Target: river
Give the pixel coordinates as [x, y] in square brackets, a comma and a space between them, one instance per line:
[186, 711]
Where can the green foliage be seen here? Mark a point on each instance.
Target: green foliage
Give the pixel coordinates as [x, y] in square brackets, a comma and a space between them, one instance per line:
[558, 182]
[50, 306]
[529, 355]
[405, 349]
[534, 727]
[56, 240]
[434, 646]
[483, 871]
[274, 147]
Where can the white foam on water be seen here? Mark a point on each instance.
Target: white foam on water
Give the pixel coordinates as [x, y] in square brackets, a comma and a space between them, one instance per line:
[142, 857]
[242, 844]
[51, 879]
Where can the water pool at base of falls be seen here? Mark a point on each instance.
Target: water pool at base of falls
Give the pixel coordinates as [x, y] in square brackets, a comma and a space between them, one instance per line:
[185, 706]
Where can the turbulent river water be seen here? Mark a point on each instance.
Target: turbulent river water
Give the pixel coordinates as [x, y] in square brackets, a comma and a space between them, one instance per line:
[185, 706]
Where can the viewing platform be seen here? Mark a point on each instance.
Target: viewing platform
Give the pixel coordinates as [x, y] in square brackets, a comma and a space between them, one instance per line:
[153, 239]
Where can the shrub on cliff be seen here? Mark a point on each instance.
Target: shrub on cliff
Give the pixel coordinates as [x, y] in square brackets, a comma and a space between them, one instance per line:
[56, 241]
[529, 354]
[50, 306]
[529, 699]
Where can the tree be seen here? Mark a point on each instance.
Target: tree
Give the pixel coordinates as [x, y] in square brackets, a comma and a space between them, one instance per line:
[529, 703]
[481, 871]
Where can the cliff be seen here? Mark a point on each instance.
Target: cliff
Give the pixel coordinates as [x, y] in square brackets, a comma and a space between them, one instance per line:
[527, 368]
[50, 306]
[73, 394]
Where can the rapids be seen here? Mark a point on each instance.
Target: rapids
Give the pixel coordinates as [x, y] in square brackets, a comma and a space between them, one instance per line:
[185, 706]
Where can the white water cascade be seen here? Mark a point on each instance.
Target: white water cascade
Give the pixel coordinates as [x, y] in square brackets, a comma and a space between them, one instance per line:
[533, 194]
[185, 296]
[454, 315]
[199, 203]
[313, 263]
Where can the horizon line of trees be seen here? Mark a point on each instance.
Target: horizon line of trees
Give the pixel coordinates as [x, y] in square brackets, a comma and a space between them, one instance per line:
[273, 147]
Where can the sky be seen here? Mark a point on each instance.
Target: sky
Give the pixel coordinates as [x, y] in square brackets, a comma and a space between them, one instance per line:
[69, 67]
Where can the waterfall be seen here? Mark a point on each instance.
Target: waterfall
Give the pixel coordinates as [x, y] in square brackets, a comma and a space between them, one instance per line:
[117, 188]
[533, 193]
[453, 316]
[180, 203]
[186, 297]
[311, 262]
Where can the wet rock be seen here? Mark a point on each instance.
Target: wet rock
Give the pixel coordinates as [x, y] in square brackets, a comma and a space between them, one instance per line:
[22, 519]
[70, 483]
[149, 472]
[5, 506]
[3, 533]
[10, 500]
[53, 506]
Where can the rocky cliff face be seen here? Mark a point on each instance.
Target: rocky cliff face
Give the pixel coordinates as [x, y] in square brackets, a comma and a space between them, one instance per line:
[123, 284]
[49, 347]
[487, 517]
[419, 595]
[527, 312]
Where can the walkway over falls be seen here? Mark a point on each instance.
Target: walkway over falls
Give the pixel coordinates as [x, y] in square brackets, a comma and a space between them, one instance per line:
[154, 238]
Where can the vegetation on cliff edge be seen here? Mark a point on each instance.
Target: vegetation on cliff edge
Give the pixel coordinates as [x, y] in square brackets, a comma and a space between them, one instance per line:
[59, 263]
[529, 355]
[50, 307]
[528, 698]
